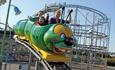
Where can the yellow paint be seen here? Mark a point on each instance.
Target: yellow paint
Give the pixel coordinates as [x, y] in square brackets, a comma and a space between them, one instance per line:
[52, 57]
[60, 29]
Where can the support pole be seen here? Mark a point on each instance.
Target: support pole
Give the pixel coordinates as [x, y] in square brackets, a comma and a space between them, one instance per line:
[1, 50]
[3, 42]
[29, 64]
[0, 64]
[39, 66]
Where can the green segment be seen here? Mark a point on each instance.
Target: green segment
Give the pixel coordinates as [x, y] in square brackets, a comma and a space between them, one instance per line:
[37, 36]
[28, 29]
[19, 27]
[33, 32]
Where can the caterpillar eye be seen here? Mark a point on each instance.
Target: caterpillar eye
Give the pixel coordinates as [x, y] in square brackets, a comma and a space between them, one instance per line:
[63, 36]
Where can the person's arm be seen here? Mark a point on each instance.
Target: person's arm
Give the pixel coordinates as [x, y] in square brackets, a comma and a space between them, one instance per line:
[47, 19]
[69, 21]
[70, 18]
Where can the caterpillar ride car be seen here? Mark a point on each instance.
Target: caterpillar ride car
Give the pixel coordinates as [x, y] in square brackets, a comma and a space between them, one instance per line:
[52, 40]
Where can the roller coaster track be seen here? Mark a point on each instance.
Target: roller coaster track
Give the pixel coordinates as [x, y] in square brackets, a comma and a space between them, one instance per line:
[47, 65]
[53, 7]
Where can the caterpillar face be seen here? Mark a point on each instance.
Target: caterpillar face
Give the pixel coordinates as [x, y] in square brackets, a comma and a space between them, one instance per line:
[59, 38]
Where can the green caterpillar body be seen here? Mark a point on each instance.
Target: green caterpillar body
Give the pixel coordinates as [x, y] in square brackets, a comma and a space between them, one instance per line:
[51, 38]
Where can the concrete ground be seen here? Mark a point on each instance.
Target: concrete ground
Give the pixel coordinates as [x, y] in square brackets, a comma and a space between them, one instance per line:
[15, 66]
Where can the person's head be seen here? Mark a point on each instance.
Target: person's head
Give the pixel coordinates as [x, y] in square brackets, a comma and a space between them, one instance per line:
[40, 13]
[58, 13]
[41, 19]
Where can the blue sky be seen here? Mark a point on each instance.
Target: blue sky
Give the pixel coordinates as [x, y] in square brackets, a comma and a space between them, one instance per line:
[30, 7]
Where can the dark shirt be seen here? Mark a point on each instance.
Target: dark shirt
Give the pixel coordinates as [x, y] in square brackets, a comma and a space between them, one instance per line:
[54, 21]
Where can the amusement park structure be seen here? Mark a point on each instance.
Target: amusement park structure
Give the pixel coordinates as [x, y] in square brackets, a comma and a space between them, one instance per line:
[91, 31]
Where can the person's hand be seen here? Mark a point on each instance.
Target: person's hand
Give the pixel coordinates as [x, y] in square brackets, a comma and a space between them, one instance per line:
[29, 17]
[48, 14]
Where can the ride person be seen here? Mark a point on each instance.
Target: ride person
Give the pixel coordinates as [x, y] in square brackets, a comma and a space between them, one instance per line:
[57, 19]
[41, 20]
[36, 17]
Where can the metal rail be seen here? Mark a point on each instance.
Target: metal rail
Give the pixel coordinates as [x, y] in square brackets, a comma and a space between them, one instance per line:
[37, 54]
[47, 65]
